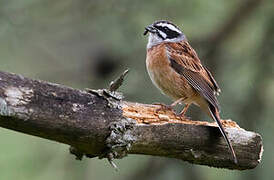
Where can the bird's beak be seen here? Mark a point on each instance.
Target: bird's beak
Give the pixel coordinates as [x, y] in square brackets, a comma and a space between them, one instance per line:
[149, 28]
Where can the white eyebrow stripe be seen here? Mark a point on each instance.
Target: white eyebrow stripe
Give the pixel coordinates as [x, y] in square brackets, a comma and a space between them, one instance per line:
[163, 34]
[170, 26]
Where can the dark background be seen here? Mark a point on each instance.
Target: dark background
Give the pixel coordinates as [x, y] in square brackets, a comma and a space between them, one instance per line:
[88, 43]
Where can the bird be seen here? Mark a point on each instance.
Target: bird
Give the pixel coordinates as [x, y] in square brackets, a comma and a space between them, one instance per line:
[175, 68]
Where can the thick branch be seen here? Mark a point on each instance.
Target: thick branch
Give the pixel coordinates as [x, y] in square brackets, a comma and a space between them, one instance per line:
[99, 123]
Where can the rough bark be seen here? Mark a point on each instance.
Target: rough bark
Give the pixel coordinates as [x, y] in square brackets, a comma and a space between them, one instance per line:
[99, 123]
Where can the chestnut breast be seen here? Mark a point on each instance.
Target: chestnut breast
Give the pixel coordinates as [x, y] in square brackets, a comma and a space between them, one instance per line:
[164, 77]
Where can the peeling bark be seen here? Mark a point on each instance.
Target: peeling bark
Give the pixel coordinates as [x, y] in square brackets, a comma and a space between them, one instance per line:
[99, 123]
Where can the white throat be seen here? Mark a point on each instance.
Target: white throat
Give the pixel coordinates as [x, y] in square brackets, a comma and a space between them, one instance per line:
[154, 40]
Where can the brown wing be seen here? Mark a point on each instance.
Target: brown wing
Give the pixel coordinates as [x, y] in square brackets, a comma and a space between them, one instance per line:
[184, 60]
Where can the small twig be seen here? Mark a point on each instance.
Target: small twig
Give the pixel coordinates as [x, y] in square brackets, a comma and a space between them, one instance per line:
[110, 160]
[114, 85]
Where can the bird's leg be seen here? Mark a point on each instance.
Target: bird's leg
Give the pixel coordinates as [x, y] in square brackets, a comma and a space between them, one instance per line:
[182, 114]
[177, 102]
[170, 107]
[163, 107]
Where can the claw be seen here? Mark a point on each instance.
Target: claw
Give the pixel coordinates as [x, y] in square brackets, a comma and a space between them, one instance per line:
[164, 107]
[182, 113]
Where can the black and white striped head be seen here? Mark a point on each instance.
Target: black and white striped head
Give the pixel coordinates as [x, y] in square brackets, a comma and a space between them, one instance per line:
[163, 31]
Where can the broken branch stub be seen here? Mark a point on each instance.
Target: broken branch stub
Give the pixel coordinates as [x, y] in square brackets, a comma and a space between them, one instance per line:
[197, 142]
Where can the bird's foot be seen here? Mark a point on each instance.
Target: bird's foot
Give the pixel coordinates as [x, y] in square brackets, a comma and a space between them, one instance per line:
[164, 107]
[183, 112]
[183, 117]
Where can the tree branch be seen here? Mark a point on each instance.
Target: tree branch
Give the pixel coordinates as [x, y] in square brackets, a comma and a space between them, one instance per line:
[99, 123]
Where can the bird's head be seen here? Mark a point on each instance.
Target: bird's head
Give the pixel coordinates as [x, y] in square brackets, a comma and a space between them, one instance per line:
[163, 31]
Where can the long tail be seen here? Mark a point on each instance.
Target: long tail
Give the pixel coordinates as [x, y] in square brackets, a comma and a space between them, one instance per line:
[215, 115]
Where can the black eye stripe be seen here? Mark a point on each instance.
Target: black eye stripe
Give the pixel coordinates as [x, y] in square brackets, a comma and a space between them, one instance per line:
[170, 33]
[159, 34]
[161, 28]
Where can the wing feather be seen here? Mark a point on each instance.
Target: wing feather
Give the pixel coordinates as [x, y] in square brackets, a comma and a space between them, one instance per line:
[184, 60]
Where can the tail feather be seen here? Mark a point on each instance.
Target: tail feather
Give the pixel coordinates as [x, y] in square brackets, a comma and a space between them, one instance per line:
[215, 115]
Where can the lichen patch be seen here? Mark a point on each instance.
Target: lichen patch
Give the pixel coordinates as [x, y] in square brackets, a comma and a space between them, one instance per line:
[18, 96]
[238, 138]
[76, 107]
[4, 111]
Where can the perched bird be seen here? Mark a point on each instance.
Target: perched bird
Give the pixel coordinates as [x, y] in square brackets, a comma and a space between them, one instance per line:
[175, 68]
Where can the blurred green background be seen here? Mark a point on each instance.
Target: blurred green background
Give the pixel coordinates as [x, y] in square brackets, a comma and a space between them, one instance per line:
[87, 43]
